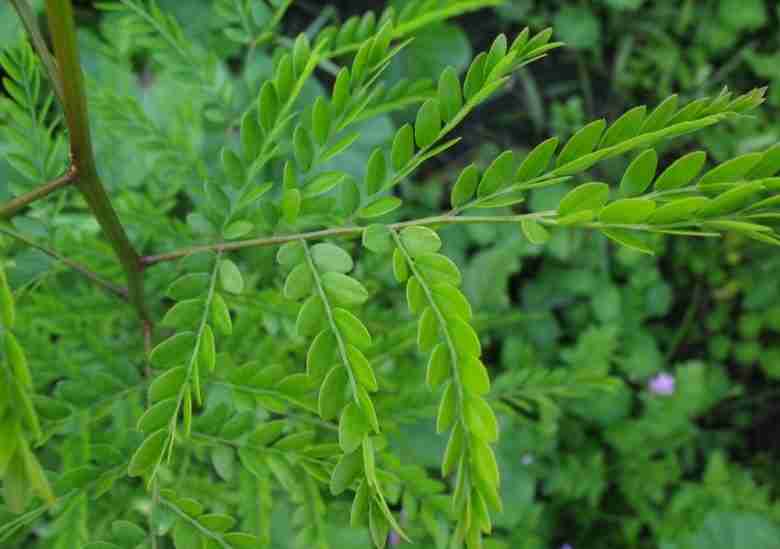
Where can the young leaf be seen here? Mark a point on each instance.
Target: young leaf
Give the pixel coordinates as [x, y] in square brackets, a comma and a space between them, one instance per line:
[291, 205]
[627, 211]
[683, 209]
[581, 143]
[321, 121]
[353, 427]
[448, 408]
[537, 160]
[361, 368]
[148, 454]
[352, 328]
[732, 200]
[230, 276]
[299, 283]
[428, 330]
[464, 338]
[346, 471]
[768, 166]
[731, 170]
[474, 375]
[624, 128]
[220, 315]
[534, 232]
[7, 311]
[681, 172]
[376, 172]
[588, 196]
[498, 175]
[173, 351]
[400, 267]
[465, 186]
[449, 93]
[268, 106]
[420, 240]
[344, 290]
[661, 115]
[640, 173]
[438, 268]
[475, 77]
[303, 148]
[403, 147]
[331, 397]
[378, 239]
[428, 124]
[329, 257]
[629, 239]
[379, 207]
[481, 419]
[438, 370]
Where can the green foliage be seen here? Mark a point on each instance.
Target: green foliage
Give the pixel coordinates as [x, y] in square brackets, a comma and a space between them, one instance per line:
[298, 282]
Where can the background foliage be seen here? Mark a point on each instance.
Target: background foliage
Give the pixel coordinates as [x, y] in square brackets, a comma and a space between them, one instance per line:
[573, 332]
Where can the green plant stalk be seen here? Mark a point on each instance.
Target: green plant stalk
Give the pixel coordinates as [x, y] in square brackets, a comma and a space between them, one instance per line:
[63, 34]
[12, 207]
[337, 232]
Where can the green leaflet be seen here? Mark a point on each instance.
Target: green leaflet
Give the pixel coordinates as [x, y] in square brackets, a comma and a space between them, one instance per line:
[331, 258]
[7, 311]
[581, 143]
[537, 160]
[377, 172]
[428, 124]
[148, 454]
[588, 196]
[449, 94]
[230, 277]
[627, 211]
[381, 206]
[420, 240]
[681, 172]
[498, 175]
[465, 186]
[625, 127]
[403, 147]
[640, 173]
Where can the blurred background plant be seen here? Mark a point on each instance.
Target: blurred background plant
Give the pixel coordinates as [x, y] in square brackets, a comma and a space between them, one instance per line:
[682, 450]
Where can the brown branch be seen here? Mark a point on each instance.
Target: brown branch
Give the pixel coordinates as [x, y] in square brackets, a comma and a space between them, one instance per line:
[78, 267]
[74, 102]
[14, 206]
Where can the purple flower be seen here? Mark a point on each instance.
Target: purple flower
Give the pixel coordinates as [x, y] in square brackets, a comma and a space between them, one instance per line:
[567, 546]
[395, 539]
[662, 384]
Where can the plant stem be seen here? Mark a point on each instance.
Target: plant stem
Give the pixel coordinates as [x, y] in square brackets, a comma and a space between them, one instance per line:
[330, 233]
[94, 277]
[63, 34]
[12, 207]
[30, 24]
